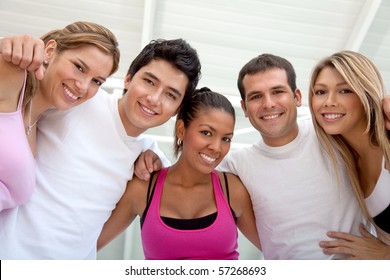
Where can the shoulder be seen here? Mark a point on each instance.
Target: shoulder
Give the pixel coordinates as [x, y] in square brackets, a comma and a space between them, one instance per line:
[232, 181]
[137, 188]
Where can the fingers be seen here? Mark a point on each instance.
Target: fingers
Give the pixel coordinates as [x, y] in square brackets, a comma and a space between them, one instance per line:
[386, 109]
[144, 166]
[341, 235]
[337, 247]
[364, 232]
[157, 165]
[140, 169]
[25, 52]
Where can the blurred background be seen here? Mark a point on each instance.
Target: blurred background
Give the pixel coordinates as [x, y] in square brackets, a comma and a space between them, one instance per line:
[226, 35]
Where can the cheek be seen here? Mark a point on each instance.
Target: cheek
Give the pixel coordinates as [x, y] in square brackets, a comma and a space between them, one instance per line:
[251, 109]
[169, 109]
[315, 104]
[226, 148]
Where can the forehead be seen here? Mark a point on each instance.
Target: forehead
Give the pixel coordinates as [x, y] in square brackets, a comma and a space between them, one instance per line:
[274, 74]
[214, 115]
[328, 73]
[92, 57]
[264, 80]
[166, 73]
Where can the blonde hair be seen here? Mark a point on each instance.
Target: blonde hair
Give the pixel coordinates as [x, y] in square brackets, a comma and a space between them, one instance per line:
[365, 80]
[73, 36]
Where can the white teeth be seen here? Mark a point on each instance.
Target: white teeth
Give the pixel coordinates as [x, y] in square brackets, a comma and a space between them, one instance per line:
[207, 158]
[333, 116]
[71, 95]
[148, 110]
[271, 117]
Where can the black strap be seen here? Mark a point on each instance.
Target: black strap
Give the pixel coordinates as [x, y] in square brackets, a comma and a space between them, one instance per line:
[148, 198]
[227, 187]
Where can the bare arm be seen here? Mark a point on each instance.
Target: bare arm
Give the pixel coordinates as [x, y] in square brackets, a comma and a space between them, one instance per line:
[365, 247]
[132, 203]
[242, 206]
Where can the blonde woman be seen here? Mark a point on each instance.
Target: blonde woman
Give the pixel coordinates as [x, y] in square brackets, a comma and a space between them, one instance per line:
[346, 95]
[76, 62]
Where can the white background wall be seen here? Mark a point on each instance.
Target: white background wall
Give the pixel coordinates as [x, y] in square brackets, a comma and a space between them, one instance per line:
[226, 34]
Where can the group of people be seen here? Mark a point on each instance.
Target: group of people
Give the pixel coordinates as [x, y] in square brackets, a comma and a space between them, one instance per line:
[314, 189]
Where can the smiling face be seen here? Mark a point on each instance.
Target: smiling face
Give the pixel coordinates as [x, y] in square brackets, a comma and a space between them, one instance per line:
[271, 106]
[74, 76]
[337, 109]
[153, 96]
[207, 139]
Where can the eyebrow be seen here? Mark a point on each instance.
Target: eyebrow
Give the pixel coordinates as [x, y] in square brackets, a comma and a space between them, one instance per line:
[152, 76]
[87, 68]
[213, 129]
[272, 88]
[338, 85]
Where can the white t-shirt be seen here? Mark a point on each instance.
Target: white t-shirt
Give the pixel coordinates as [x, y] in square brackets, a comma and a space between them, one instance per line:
[295, 195]
[84, 160]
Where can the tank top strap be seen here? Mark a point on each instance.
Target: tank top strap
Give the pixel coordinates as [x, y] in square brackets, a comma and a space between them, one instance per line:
[217, 188]
[21, 96]
[161, 179]
[158, 187]
[153, 196]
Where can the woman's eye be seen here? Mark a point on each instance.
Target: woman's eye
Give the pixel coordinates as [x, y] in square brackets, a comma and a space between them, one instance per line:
[99, 83]
[227, 139]
[79, 67]
[319, 92]
[346, 91]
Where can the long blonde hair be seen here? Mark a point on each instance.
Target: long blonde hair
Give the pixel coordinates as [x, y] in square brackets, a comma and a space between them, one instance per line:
[365, 80]
[73, 36]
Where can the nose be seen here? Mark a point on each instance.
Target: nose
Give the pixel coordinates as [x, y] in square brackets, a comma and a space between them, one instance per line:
[268, 101]
[154, 98]
[215, 145]
[82, 85]
[331, 99]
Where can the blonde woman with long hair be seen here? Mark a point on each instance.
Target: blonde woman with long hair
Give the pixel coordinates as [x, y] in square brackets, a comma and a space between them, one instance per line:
[76, 61]
[345, 98]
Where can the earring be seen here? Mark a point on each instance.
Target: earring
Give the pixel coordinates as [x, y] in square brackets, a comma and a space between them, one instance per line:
[45, 63]
[179, 142]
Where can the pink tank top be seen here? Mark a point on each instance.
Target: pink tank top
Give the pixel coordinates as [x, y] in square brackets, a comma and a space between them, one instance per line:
[218, 241]
[17, 163]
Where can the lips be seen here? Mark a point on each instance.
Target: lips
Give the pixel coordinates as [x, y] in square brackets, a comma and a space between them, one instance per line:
[207, 158]
[271, 117]
[332, 116]
[147, 110]
[69, 93]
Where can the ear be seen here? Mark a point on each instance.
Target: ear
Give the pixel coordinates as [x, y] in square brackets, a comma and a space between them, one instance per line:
[180, 129]
[127, 80]
[50, 49]
[243, 106]
[298, 98]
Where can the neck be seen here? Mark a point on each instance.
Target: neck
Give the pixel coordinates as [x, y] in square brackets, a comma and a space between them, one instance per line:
[37, 106]
[361, 145]
[185, 175]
